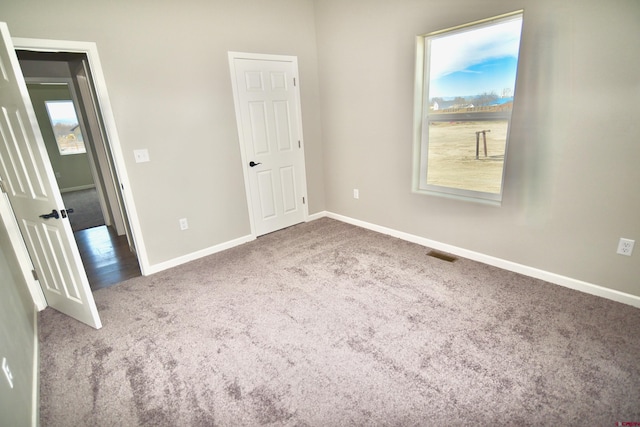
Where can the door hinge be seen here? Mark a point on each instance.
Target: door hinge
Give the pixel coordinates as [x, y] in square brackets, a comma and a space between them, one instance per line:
[299, 144]
[4, 190]
[303, 201]
[35, 275]
[294, 81]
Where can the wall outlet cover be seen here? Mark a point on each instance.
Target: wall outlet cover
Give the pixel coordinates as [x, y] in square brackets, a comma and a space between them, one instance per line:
[625, 246]
[141, 155]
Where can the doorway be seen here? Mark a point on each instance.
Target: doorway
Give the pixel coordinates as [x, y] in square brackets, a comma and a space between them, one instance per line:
[80, 156]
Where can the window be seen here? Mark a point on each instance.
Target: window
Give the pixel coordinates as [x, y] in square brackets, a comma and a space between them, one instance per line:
[66, 129]
[465, 89]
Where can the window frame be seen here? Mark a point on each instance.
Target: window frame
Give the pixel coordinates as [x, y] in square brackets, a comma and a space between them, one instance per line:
[421, 115]
[52, 124]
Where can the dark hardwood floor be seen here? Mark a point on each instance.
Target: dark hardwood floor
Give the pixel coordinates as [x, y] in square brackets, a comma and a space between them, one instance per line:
[106, 257]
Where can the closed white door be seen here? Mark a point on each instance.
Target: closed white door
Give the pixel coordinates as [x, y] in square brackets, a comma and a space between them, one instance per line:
[30, 184]
[268, 114]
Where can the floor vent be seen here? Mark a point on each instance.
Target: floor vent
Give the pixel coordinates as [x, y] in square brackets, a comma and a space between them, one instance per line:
[442, 256]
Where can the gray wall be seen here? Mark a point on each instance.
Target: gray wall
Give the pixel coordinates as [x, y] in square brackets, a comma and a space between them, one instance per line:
[572, 173]
[166, 69]
[17, 336]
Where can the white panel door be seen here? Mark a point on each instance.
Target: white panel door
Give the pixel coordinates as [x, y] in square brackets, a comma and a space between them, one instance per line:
[267, 109]
[32, 190]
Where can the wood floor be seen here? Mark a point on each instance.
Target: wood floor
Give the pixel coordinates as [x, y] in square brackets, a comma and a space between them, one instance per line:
[106, 257]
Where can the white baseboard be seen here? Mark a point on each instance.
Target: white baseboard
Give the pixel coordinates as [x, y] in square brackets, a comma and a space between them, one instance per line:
[156, 268]
[78, 188]
[547, 276]
[315, 216]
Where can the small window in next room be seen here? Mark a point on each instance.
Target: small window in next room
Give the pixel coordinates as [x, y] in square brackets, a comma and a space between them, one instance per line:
[465, 89]
[64, 121]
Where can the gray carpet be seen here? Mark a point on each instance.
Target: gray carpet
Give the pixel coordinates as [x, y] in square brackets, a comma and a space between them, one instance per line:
[86, 209]
[327, 324]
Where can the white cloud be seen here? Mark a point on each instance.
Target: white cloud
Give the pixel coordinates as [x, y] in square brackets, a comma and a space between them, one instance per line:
[459, 51]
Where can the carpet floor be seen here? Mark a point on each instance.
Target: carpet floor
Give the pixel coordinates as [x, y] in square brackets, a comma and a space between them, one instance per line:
[87, 212]
[327, 324]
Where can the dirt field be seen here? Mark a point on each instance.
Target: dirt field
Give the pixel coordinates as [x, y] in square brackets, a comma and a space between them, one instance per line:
[452, 155]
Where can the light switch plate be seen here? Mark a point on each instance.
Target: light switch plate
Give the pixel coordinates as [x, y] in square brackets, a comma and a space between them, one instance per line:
[141, 155]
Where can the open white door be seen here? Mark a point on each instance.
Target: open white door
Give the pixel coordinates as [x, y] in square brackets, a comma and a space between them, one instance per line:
[268, 113]
[30, 184]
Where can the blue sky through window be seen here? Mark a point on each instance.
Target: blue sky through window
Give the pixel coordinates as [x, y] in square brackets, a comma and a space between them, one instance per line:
[475, 61]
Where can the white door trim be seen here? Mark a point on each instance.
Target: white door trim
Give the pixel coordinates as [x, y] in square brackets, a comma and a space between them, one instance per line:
[245, 160]
[91, 51]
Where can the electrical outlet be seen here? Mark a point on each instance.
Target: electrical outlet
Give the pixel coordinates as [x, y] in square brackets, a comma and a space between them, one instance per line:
[183, 223]
[625, 246]
[356, 193]
[7, 372]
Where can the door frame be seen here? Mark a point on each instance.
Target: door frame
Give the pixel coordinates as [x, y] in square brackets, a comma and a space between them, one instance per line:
[243, 155]
[103, 102]
[94, 169]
